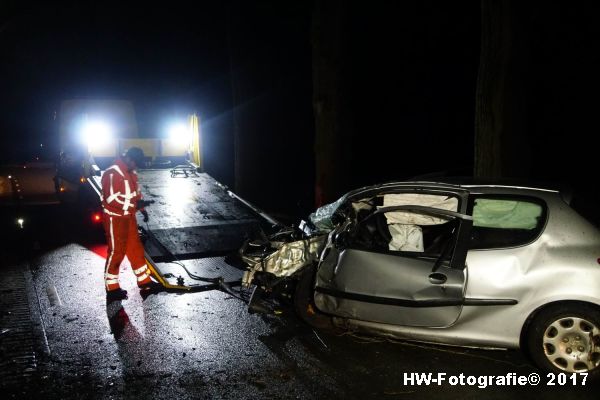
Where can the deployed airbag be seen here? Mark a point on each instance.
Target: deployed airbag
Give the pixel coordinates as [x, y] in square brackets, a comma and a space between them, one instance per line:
[413, 218]
[506, 214]
[406, 238]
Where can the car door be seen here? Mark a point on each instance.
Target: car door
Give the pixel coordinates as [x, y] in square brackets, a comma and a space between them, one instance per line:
[416, 283]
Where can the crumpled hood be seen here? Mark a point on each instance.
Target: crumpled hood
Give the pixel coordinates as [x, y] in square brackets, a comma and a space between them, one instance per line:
[288, 258]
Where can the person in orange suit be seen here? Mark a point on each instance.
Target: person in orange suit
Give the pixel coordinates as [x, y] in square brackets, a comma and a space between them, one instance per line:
[121, 199]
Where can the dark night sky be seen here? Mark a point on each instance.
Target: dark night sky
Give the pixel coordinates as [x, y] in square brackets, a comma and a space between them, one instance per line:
[167, 62]
[410, 70]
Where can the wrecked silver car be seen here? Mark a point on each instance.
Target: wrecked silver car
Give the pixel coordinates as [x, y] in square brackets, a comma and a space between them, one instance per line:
[491, 266]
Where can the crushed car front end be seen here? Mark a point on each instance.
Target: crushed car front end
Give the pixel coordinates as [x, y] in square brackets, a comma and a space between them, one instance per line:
[275, 261]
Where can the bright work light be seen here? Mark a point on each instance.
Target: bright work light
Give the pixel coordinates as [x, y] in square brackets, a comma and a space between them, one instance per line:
[179, 133]
[96, 133]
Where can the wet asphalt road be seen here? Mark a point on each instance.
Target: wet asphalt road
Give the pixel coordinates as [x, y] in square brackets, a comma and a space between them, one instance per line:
[206, 345]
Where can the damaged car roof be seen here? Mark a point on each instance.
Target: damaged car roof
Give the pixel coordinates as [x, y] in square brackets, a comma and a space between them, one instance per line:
[470, 183]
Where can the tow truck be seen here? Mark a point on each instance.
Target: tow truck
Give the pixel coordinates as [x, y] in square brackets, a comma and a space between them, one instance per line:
[195, 221]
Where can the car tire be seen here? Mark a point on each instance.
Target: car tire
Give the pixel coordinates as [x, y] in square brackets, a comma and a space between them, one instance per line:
[566, 338]
[304, 305]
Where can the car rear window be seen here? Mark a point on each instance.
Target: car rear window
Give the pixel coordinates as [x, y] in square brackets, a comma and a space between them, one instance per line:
[506, 221]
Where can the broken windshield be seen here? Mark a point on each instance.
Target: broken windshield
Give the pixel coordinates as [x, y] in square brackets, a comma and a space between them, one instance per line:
[322, 217]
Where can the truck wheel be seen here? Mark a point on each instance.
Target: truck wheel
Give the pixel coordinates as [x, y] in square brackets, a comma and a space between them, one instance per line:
[304, 304]
[566, 339]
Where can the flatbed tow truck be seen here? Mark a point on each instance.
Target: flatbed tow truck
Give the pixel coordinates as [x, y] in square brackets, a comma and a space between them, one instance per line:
[195, 222]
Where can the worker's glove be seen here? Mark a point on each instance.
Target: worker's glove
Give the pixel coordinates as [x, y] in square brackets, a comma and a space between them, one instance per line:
[144, 203]
[145, 214]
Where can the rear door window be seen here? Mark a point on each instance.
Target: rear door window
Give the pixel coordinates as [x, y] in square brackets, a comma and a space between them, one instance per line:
[506, 221]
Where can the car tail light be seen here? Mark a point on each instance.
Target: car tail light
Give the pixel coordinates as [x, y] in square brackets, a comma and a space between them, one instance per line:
[96, 217]
[598, 260]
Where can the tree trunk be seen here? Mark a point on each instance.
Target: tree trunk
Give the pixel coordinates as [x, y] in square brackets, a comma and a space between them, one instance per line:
[501, 148]
[327, 44]
[235, 94]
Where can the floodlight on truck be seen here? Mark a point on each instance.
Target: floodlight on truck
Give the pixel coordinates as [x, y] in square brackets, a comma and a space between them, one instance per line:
[179, 133]
[96, 133]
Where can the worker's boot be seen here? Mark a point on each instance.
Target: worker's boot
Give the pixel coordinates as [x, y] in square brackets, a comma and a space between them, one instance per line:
[117, 294]
[151, 287]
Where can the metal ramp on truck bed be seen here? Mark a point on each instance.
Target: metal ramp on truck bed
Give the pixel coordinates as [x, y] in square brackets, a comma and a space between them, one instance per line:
[194, 222]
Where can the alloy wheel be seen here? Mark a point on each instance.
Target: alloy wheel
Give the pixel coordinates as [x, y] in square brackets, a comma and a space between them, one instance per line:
[572, 344]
